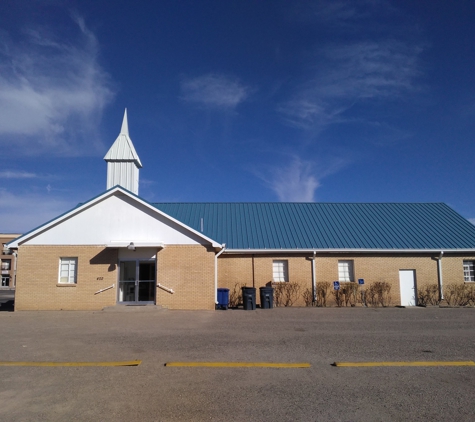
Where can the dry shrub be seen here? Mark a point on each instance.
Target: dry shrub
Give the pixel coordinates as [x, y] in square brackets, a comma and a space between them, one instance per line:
[460, 294]
[347, 294]
[322, 293]
[378, 294]
[350, 293]
[339, 297]
[285, 293]
[308, 297]
[235, 296]
[428, 295]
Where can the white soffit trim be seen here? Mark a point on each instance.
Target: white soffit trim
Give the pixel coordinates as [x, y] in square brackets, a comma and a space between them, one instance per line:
[91, 203]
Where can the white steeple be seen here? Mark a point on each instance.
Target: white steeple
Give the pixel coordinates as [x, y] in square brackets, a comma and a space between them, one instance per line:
[125, 124]
[123, 163]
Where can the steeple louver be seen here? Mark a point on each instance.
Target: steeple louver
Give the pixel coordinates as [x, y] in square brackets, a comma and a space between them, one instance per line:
[123, 163]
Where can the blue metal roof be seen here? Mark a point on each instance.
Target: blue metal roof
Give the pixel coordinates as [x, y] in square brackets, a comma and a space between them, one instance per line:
[375, 226]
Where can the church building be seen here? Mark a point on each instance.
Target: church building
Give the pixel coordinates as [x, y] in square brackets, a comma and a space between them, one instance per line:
[118, 249]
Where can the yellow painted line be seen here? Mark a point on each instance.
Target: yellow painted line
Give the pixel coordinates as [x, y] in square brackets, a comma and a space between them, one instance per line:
[440, 363]
[126, 363]
[239, 364]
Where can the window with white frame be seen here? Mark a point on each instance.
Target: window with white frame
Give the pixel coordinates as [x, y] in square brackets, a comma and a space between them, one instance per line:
[68, 270]
[280, 271]
[345, 271]
[468, 273]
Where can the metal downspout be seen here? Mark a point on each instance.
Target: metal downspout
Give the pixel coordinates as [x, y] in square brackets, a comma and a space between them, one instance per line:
[216, 272]
[439, 273]
[314, 281]
[15, 254]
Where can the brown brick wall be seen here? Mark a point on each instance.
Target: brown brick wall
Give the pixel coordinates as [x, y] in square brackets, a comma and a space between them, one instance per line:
[452, 268]
[38, 274]
[256, 271]
[189, 271]
[374, 268]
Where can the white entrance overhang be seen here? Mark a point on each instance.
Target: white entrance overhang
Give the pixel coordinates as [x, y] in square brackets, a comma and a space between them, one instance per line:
[136, 243]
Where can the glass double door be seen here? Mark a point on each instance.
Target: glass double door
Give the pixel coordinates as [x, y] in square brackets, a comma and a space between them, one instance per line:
[137, 282]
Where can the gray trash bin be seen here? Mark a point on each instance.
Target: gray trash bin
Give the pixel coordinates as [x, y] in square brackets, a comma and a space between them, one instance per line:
[249, 298]
[267, 297]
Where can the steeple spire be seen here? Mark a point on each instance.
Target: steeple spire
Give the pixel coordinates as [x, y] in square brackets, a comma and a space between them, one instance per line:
[125, 125]
[123, 163]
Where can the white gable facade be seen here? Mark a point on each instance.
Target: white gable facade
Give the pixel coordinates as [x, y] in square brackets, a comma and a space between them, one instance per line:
[115, 250]
[115, 220]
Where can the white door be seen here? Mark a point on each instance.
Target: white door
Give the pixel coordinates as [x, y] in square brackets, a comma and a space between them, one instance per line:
[407, 283]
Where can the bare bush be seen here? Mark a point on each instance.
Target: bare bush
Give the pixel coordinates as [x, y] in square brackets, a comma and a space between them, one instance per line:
[459, 294]
[235, 296]
[308, 297]
[362, 298]
[370, 296]
[285, 293]
[350, 293]
[378, 294]
[471, 294]
[428, 295]
[322, 293]
[339, 297]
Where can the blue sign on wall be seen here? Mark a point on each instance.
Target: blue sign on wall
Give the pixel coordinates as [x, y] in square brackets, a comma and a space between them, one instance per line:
[336, 285]
[361, 281]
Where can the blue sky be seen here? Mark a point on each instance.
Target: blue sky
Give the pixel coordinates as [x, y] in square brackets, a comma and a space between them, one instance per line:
[331, 101]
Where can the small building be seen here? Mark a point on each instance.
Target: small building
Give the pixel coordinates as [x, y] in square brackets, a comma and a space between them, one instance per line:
[119, 249]
[8, 262]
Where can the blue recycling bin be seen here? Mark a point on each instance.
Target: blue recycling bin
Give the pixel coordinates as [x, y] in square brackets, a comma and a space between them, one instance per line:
[223, 298]
[249, 298]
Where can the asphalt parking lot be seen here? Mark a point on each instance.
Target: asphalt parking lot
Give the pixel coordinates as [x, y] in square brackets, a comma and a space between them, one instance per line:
[155, 392]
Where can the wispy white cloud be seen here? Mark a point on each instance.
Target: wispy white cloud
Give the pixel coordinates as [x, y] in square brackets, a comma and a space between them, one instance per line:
[349, 74]
[147, 182]
[346, 13]
[379, 63]
[215, 91]
[13, 174]
[21, 212]
[369, 69]
[472, 220]
[52, 92]
[298, 179]
[295, 183]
